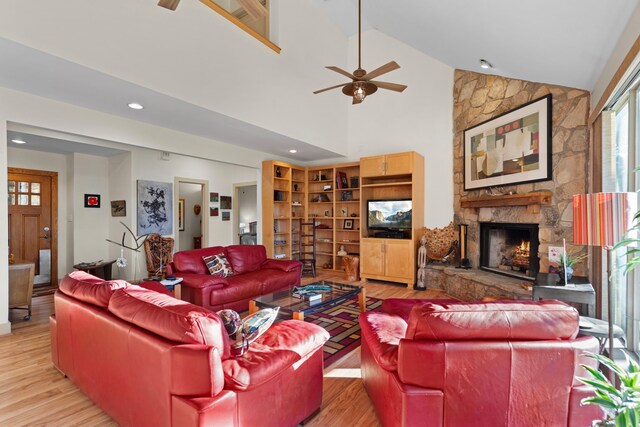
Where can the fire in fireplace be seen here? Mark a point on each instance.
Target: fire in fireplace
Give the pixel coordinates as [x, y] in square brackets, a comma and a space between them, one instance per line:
[509, 249]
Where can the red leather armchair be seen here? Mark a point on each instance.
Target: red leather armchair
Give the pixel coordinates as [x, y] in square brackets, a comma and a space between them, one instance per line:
[434, 363]
[148, 359]
[254, 275]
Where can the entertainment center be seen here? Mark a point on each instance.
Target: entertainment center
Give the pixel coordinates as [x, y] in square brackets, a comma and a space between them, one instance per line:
[374, 208]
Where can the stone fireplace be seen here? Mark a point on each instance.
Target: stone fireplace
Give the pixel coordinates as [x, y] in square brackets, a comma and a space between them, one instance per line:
[510, 249]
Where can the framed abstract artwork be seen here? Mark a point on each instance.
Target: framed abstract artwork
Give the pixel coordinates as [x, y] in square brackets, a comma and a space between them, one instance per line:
[226, 216]
[213, 197]
[91, 200]
[225, 202]
[213, 211]
[119, 208]
[155, 207]
[512, 148]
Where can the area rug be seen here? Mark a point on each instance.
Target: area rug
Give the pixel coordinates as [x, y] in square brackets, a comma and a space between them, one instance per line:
[341, 321]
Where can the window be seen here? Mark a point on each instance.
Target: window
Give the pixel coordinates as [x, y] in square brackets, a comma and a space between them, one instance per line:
[621, 147]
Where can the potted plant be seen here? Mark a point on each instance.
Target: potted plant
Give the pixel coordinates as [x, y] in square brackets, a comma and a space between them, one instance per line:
[621, 406]
[572, 259]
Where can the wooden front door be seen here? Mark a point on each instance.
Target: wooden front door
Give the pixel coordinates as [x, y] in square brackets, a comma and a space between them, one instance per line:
[33, 221]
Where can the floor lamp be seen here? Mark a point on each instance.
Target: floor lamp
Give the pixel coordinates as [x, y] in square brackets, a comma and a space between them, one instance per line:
[602, 219]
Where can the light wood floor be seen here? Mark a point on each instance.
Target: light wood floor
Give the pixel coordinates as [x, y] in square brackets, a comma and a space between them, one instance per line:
[34, 393]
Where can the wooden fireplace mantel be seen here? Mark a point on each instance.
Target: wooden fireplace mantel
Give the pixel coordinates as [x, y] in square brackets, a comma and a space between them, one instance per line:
[532, 201]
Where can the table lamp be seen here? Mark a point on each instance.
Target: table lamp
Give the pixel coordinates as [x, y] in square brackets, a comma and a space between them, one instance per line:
[602, 219]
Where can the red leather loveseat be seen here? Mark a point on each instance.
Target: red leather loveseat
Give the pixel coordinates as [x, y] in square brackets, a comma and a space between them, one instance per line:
[254, 275]
[429, 363]
[148, 359]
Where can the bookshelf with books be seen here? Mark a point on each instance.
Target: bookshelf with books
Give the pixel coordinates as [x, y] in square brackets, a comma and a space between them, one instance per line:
[328, 196]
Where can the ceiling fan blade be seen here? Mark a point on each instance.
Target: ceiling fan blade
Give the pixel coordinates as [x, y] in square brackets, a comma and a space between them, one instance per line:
[389, 86]
[341, 71]
[254, 8]
[390, 66]
[169, 4]
[329, 88]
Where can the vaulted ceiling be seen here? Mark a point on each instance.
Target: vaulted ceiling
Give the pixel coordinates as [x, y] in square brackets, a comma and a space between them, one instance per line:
[565, 42]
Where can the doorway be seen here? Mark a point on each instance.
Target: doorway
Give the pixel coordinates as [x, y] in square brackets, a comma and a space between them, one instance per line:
[192, 214]
[245, 210]
[33, 223]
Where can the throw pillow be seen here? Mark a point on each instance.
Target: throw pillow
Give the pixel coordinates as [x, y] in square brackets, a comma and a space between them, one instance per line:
[218, 265]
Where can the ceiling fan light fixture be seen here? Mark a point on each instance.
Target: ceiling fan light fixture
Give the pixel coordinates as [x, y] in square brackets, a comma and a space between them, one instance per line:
[485, 64]
[359, 94]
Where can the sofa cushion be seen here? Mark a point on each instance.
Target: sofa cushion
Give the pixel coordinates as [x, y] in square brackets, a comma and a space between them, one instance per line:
[191, 261]
[246, 258]
[175, 320]
[218, 265]
[514, 320]
[240, 287]
[402, 306]
[277, 350]
[90, 289]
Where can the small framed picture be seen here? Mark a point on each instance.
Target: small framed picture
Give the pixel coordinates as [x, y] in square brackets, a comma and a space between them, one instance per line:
[213, 211]
[226, 216]
[327, 213]
[348, 224]
[119, 208]
[225, 202]
[180, 214]
[344, 212]
[91, 200]
[327, 187]
[213, 197]
[347, 196]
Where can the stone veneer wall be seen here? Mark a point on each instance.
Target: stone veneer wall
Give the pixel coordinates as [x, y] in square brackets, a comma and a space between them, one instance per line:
[480, 97]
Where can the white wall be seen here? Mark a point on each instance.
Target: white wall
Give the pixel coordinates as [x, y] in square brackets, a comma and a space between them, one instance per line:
[29, 159]
[626, 40]
[196, 55]
[192, 195]
[419, 119]
[90, 224]
[120, 188]
[247, 204]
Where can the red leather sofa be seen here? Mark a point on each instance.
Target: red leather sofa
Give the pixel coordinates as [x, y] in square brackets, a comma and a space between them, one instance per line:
[254, 275]
[429, 363]
[148, 359]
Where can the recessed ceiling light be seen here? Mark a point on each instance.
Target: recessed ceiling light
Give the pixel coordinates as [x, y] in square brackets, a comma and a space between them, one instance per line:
[485, 64]
[135, 106]
[18, 141]
[293, 151]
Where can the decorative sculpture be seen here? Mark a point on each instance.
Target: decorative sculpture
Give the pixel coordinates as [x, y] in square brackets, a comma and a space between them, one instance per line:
[422, 265]
[442, 244]
[351, 267]
[342, 252]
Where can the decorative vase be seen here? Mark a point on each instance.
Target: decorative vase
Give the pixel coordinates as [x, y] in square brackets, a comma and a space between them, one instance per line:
[561, 274]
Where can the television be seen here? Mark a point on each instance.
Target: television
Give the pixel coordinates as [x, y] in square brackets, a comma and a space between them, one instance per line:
[389, 214]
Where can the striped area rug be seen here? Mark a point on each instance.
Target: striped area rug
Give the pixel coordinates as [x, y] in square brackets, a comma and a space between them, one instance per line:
[341, 321]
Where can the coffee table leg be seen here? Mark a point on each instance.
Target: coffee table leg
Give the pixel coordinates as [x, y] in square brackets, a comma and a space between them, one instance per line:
[253, 307]
[362, 299]
[298, 315]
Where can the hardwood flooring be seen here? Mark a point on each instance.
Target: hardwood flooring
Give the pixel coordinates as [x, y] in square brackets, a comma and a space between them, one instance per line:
[34, 393]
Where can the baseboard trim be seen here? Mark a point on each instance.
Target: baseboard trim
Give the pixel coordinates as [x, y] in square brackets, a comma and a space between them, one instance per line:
[5, 328]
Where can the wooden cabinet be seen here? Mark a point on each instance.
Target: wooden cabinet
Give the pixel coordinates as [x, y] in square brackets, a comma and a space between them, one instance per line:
[387, 165]
[387, 259]
[372, 257]
[398, 176]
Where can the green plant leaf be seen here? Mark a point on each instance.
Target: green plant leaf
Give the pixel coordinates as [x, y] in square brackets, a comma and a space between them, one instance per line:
[599, 401]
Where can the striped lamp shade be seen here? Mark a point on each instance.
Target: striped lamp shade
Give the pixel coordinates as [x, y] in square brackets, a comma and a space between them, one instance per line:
[602, 219]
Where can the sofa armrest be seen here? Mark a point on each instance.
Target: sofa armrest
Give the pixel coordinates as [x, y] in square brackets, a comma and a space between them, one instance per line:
[221, 410]
[171, 269]
[281, 264]
[202, 280]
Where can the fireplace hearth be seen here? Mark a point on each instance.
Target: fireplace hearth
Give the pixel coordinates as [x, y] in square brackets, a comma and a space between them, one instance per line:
[509, 249]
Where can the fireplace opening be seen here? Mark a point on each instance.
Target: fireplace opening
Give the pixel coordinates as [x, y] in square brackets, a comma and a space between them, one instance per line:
[509, 249]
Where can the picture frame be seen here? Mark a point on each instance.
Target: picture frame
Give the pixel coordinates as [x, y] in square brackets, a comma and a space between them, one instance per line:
[213, 197]
[344, 211]
[347, 196]
[118, 208]
[225, 202]
[92, 201]
[154, 207]
[226, 216]
[512, 148]
[348, 224]
[180, 214]
[213, 211]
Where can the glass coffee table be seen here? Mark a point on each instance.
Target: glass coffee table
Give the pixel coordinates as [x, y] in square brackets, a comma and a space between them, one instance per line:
[299, 307]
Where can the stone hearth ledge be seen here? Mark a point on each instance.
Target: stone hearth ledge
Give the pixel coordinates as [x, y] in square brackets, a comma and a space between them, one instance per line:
[475, 284]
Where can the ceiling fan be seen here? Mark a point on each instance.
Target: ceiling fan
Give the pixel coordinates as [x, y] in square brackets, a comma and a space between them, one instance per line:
[362, 84]
[254, 8]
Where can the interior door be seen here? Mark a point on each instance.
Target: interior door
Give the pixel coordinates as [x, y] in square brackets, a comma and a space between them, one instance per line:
[32, 233]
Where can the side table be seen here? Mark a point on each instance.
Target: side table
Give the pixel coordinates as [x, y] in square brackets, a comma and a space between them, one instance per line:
[600, 329]
[580, 293]
[164, 286]
[99, 269]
